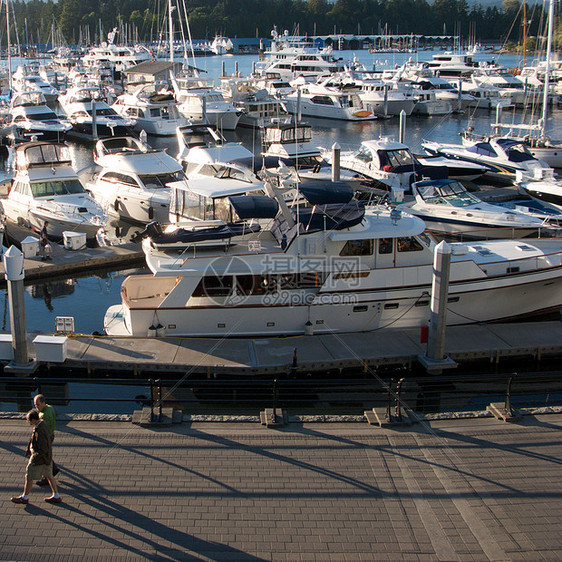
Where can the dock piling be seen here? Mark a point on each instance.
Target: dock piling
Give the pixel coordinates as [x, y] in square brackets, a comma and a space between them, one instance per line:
[336, 153]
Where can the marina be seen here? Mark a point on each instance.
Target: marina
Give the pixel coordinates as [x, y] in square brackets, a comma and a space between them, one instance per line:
[125, 251]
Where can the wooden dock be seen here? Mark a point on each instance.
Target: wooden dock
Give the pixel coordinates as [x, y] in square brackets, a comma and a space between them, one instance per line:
[119, 255]
[307, 354]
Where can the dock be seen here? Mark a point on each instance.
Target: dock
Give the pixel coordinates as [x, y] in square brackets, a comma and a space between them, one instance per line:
[448, 490]
[131, 356]
[122, 254]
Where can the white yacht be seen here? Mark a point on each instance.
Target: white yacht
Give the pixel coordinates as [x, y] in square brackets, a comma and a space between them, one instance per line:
[121, 57]
[85, 107]
[290, 57]
[541, 184]
[449, 209]
[46, 188]
[32, 117]
[151, 110]
[27, 78]
[392, 166]
[256, 106]
[134, 181]
[329, 268]
[201, 102]
[327, 102]
[453, 65]
[502, 156]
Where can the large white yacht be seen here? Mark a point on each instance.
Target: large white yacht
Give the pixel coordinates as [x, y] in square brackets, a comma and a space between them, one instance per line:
[46, 188]
[449, 209]
[502, 156]
[27, 78]
[201, 102]
[331, 267]
[32, 117]
[121, 57]
[85, 107]
[151, 110]
[290, 57]
[327, 102]
[134, 179]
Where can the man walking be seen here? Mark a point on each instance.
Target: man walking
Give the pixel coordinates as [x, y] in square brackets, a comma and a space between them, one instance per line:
[41, 460]
[48, 414]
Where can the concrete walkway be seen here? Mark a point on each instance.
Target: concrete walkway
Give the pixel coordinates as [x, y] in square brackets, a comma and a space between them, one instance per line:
[453, 490]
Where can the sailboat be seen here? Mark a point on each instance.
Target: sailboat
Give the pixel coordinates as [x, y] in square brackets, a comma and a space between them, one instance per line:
[534, 136]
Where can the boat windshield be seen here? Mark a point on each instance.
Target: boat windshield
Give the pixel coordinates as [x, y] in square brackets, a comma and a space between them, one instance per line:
[396, 158]
[230, 172]
[58, 187]
[43, 116]
[161, 180]
[450, 193]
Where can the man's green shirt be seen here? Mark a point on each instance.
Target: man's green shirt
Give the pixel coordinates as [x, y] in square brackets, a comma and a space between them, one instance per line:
[49, 415]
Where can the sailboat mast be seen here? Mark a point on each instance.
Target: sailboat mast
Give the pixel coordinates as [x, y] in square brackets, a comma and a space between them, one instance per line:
[9, 45]
[171, 30]
[547, 72]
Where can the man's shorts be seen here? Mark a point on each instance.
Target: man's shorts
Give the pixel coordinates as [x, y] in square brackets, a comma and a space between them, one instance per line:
[38, 471]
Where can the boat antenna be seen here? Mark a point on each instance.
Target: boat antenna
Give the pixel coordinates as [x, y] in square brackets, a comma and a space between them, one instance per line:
[9, 45]
[547, 72]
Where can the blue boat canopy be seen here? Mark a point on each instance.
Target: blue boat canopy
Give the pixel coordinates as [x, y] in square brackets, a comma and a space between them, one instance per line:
[254, 206]
[326, 192]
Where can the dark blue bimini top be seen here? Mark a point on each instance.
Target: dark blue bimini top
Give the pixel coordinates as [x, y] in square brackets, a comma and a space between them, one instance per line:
[254, 206]
[326, 192]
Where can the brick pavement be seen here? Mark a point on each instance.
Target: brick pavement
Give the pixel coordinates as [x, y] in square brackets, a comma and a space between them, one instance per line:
[455, 490]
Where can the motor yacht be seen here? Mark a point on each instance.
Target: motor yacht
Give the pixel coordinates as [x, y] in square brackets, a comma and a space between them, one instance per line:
[27, 78]
[542, 185]
[47, 188]
[132, 180]
[290, 57]
[90, 116]
[332, 267]
[392, 166]
[201, 102]
[152, 110]
[31, 117]
[327, 102]
[502, 156]
[449, 209]
[256, 106]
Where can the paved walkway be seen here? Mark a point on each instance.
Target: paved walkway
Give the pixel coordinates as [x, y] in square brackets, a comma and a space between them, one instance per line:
[455, 490]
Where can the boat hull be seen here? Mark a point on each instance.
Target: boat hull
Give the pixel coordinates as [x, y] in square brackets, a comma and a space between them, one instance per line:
[483, 300]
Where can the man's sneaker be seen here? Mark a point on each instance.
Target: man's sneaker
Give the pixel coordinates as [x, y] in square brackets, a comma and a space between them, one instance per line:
[19, 499]
[53, 500]
[42, 482]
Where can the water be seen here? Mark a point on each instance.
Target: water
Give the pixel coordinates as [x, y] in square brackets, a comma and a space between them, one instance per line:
[87, 298]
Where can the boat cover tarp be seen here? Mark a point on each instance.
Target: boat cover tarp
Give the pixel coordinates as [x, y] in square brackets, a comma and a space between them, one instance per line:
[325, 193]
[254, 206]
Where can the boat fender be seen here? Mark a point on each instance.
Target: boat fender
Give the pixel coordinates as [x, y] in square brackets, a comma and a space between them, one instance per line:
[160, 331]
[116, 205]
[151, 213]
[151, 333]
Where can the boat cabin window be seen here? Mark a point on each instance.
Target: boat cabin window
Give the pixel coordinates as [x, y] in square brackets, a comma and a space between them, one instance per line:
[301, 280]
[50, 188]
[160, 181]
[385, 245]
[322, 100]
[226, 172]
[519, 153]
[134, 112]
[358, 248]
[21, 187]
[250, 285]
[42, 116]
[105, 111]
[213, 286]
[484, 148]
[115, 177]
[409, 244]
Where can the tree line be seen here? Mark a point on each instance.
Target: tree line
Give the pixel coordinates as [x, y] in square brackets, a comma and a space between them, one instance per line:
[84, 21]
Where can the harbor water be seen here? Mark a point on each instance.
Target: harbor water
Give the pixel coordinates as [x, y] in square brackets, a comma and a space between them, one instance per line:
[86, 298]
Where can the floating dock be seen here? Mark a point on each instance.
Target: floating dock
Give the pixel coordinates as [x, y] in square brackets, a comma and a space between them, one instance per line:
[132, 356]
